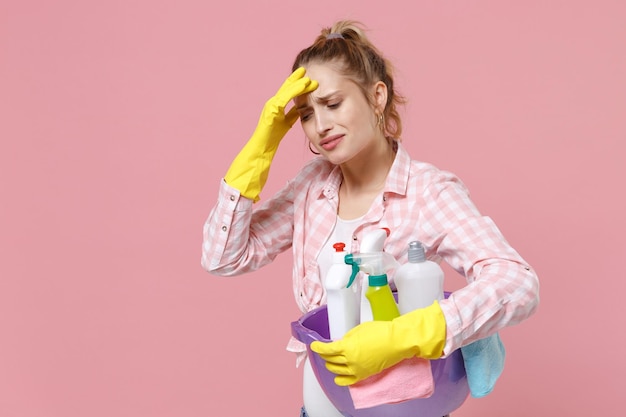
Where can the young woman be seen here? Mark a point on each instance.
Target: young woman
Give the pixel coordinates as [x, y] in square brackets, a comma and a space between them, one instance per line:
[343, 92]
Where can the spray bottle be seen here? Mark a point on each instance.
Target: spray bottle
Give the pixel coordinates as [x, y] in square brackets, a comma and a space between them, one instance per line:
[376, 264]
[419, 281]
[342, 302]
[373, 242]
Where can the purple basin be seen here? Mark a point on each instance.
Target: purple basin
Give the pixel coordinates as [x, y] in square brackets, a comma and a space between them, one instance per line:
[451, 389]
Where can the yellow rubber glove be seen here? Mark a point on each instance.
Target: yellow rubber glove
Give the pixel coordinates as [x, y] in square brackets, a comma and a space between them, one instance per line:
[248, 172]
[374, 346]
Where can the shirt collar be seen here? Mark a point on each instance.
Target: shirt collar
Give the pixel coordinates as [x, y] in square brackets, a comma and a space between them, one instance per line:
[397, 179]
[331, 187]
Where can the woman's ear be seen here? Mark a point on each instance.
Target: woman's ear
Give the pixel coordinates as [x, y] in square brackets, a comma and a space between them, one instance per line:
[380, 96]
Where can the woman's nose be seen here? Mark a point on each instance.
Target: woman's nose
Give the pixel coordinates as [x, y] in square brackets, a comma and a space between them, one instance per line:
[322, 123]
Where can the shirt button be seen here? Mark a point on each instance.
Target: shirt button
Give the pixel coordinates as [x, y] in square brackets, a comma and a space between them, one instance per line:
[384, 198]
[232, 198]
[354, 237]
[224, 228]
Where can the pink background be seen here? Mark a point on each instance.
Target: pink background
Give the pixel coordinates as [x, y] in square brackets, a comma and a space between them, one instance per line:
[117, 120]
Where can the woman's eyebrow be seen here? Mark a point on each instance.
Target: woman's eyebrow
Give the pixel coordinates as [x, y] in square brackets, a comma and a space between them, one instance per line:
[320, 99]
[326, 97]
[302, 106]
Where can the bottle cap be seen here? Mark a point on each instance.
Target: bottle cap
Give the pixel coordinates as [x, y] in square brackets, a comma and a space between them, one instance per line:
[416, 252]
[377, 280]
[339, 246]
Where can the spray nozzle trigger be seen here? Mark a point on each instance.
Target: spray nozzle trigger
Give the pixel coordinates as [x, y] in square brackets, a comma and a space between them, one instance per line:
[349, 259]
[372, 263]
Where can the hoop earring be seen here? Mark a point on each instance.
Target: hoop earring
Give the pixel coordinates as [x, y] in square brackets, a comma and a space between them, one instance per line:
[381, 122]
[314, 152]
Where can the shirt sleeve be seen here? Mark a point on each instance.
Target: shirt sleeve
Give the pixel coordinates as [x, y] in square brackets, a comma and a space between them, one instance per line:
[238, 239]
[502, 288]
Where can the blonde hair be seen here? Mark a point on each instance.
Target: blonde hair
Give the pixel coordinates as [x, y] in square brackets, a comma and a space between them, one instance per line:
[345, 42]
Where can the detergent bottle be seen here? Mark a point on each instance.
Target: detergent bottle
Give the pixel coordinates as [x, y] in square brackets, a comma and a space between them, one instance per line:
[419, 281]
[376, 264]
[373, 242]
[343, 303]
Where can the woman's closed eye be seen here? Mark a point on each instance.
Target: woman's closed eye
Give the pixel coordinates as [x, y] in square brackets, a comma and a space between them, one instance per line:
[306, 116]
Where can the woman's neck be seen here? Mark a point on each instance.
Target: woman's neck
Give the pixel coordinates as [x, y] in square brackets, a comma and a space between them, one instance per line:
[369, 172]
[363, 180]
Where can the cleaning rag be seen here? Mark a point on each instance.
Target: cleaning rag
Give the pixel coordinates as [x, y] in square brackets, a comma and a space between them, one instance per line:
[409, 379]
[484, 362]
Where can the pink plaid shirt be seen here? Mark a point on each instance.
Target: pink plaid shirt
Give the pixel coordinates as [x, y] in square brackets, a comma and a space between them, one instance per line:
[419, 202]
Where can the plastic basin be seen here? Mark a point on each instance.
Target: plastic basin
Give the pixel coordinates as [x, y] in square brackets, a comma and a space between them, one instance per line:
[451, 389]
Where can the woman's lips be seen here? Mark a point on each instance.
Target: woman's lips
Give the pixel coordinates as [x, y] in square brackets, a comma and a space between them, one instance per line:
[331, 142]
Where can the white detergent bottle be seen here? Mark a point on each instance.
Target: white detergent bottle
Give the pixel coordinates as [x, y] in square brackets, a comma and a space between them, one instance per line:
[343, 300]
[373, 242]
[419, 281]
